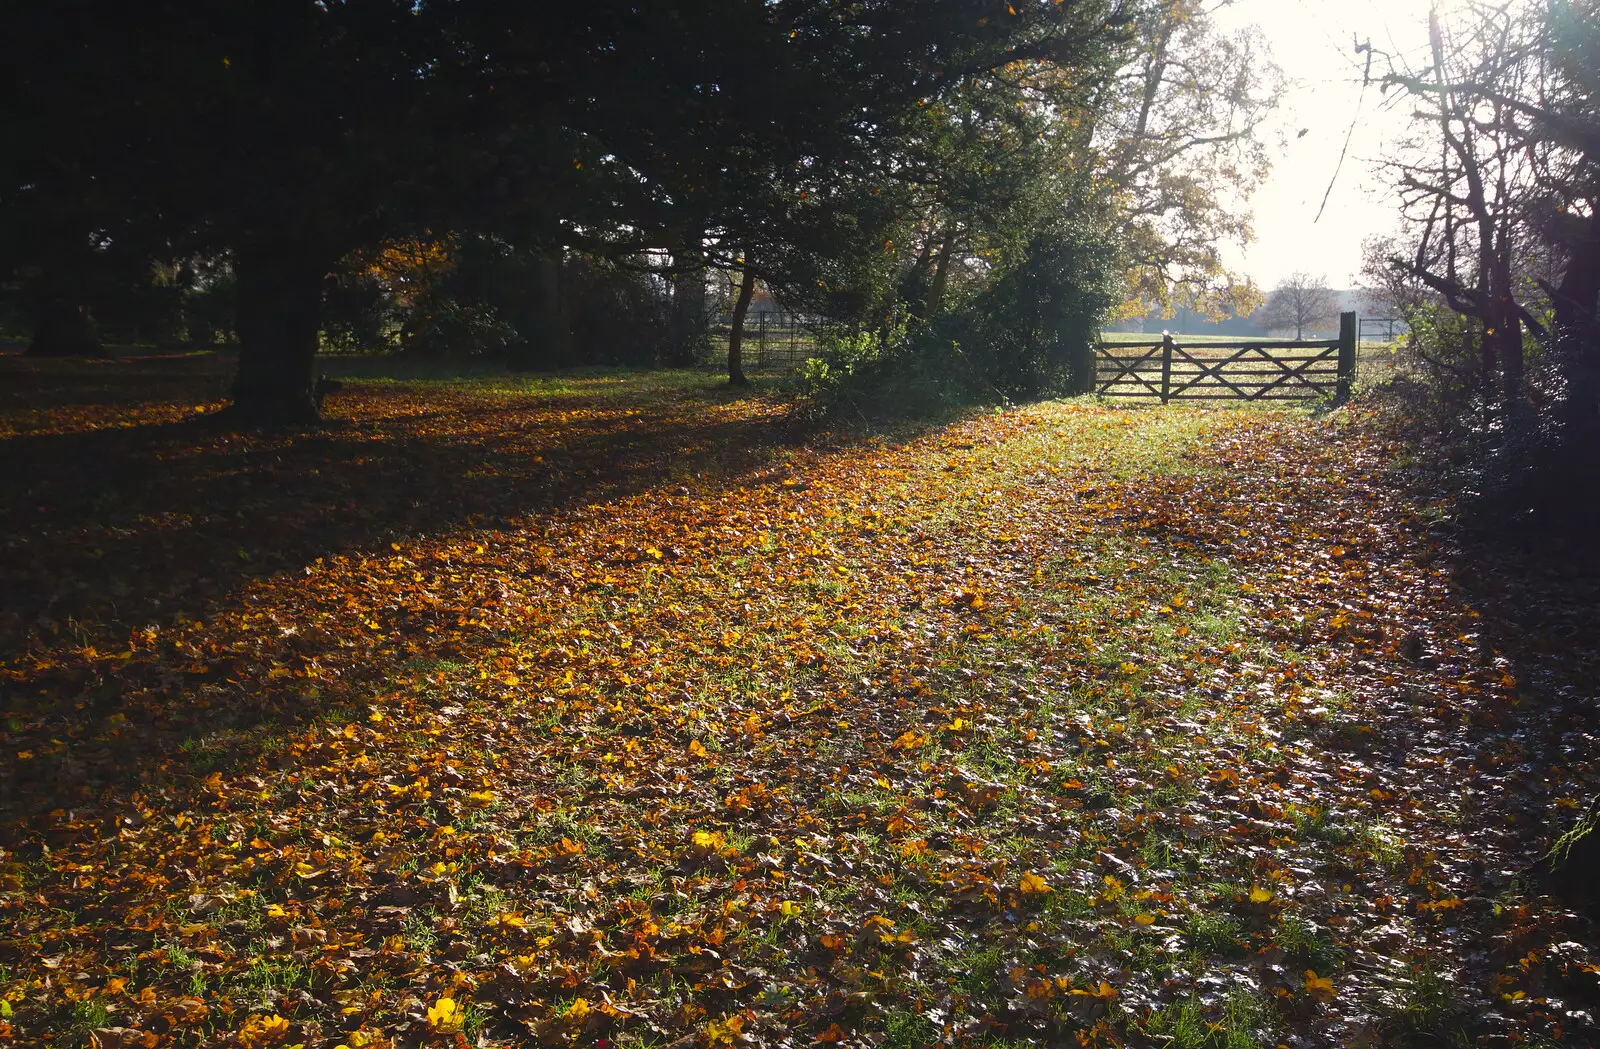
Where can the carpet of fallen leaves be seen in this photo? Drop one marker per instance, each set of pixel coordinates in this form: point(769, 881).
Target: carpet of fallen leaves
point(613, 711)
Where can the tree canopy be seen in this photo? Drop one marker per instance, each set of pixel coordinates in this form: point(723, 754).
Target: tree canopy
point(863, 160)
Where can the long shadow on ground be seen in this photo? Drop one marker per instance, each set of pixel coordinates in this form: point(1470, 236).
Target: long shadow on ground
point(105, 531)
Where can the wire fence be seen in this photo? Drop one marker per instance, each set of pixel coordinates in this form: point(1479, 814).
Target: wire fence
point(775, 342)
point(1380, 330)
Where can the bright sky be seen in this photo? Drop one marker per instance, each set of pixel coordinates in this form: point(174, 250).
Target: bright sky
point(1311, 40)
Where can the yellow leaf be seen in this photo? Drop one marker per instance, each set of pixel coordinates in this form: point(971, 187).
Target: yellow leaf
point(263, 1030)
point(724, 1031)
point(790, 908)
point(445, 1016)
point(709, 840)
point(482, 797)
point(1319, 986)
point(698, 749)
point(578, 1011)
point(1033, 885)
point(1441, 905)
point(1145, 919)
point(1260, 895)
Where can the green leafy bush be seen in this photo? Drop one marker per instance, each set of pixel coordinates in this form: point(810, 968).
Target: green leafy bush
point(1030, 333)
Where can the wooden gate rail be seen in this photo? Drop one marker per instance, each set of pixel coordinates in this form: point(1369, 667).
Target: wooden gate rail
point(1247, 369)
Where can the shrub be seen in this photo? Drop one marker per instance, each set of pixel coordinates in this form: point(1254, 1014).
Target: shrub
point(1030, 333)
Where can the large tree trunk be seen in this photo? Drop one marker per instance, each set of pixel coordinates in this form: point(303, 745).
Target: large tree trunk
point(547, 341)
point(689, 322)
point(1511, 362)
point(278, 320)
point(1576, 327)
point(747, 288)
point(62, 328)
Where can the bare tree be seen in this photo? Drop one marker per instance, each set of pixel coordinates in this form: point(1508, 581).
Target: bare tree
point(1502, 193)
point(1301, 301)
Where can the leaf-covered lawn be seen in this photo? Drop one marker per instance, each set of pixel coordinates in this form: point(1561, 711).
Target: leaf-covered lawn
point(619, 711)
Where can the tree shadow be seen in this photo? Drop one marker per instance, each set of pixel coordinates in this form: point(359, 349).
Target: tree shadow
point(108, 530)
point(1526, 561)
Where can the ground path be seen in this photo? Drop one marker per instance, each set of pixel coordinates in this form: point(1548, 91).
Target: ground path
point(1060, 725)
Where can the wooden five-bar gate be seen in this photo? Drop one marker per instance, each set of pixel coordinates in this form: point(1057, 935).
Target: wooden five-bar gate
point(1244, 369)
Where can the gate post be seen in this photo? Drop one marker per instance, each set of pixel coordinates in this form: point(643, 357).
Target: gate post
point(1166, 366)
point(1347, 356)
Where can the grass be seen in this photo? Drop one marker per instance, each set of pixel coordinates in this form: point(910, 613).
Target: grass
point(1236, 1024)
point(1024, 718)
point(1425, 1009)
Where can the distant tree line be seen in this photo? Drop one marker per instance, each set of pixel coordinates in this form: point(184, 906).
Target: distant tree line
point(967, 181)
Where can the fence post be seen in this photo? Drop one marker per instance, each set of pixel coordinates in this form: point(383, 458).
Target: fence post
point(1166, 366)
point(1347, 356)
point(761, 359)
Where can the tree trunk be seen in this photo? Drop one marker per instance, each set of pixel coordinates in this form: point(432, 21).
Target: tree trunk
point(1576, 327)
point(1155, 71)
point(941, 273)
point(741, 306)
point(1511, 366)
point(279, 314)
point(547, 341)
point(62, 328)
point(916, 291)
point(689, 327)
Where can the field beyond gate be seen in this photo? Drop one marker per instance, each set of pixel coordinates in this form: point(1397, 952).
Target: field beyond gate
point(1244, 369)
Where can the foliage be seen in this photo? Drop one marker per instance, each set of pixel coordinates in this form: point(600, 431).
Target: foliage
point(358, 311)
point(1175, 145)
point(620, 708)
point(1034, 331)
point(294, 136)
point(897, 373)
point(618, 314)
point(1030, 333)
